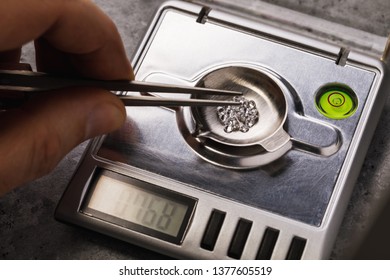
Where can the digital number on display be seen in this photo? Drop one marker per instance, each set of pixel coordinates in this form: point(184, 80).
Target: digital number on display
point(140, 206)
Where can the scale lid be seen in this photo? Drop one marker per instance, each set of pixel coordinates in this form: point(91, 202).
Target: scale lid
point(360, 35)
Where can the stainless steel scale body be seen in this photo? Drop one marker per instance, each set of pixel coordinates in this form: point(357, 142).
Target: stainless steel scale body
point(289, 205)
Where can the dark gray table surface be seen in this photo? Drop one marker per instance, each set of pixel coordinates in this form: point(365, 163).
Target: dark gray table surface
point(29, 231)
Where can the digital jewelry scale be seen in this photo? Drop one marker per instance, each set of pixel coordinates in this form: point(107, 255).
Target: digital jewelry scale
point(176, 181)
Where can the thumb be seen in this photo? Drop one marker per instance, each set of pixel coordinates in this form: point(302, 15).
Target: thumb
point(34, 138)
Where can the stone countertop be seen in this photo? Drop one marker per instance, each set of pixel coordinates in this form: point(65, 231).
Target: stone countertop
point(29, 231)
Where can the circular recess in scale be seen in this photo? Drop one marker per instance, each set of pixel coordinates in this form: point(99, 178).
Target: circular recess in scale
point(336, 102)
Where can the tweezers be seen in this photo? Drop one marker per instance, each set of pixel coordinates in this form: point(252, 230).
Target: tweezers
point(14, 81)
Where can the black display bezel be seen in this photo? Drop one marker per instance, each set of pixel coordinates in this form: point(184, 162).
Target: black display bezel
point(145, 186)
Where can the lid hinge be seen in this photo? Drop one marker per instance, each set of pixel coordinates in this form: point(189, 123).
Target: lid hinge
point(342, 56)
point(203, 14)
point(386, 52)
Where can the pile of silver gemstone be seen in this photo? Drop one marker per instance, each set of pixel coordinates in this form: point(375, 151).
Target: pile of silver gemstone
point(238, 117)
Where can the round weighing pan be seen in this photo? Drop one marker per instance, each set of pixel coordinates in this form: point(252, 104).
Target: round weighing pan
point(257, 85)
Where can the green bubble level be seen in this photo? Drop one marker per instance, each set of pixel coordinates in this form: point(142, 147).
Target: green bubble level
point(336, 102)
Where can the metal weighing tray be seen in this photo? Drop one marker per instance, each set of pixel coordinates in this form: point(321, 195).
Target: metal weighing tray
point(281, 198)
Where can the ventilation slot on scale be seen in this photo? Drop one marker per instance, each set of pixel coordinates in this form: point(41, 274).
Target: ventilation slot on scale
point(213, 228)
point(239, 239)
point(297, 247)
point(267, 244)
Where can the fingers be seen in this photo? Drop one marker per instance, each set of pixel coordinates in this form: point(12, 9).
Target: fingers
point(77, 30)
point(95, 44)
point(72, 36)
point(10, 57)
point(35, 137)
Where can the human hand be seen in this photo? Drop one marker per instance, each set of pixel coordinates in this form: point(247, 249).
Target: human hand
point(70, 37)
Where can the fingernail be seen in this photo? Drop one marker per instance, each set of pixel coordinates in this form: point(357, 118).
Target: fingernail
point(104, 118)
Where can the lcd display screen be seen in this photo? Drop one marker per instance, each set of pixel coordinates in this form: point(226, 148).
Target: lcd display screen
point(138, 205)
